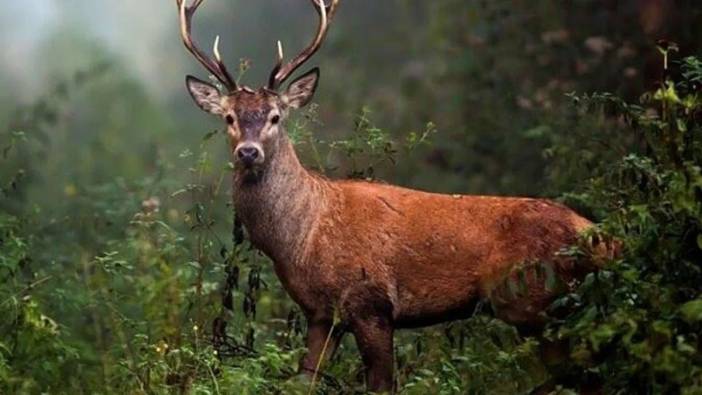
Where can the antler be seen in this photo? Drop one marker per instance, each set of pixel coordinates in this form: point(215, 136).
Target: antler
point(216, 67)
point(282, 72)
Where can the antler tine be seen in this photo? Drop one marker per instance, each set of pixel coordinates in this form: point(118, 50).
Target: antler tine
point(329, 9)
point(282, 72)
point(278, 64)
point(215, 67)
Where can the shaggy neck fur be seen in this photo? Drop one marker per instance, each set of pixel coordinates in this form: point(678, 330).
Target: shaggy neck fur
point(280, 205)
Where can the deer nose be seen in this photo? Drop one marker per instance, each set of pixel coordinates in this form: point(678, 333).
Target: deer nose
point(248, 154)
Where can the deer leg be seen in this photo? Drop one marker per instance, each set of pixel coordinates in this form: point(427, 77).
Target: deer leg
point(368, 311)
point(318, 330)
point(374, 340)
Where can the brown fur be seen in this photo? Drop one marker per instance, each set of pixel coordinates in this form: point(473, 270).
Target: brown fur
point(387, 257)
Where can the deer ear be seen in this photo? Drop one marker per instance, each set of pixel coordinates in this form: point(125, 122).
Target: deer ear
point(207, 96)
point(301, 91)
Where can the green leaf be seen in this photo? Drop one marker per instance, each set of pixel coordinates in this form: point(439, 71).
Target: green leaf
point(209, 135)
point(667, 94)
point(602, 334)
point(681, 125)
point(692, 311)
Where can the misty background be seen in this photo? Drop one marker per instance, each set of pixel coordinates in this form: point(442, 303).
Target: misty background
point(45, 38)
point(487, 74)
point(367, 60)
point(488, 79)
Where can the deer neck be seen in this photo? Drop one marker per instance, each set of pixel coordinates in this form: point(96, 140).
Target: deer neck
point(280, 205)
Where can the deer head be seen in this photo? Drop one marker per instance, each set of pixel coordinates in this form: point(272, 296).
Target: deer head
point(254, 117)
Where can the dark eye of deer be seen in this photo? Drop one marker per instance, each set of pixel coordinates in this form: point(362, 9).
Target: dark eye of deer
point(275, 119)
point(229, 119)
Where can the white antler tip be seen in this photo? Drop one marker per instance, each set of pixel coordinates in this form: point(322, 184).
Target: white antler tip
point(215, 49)
point(280, 50)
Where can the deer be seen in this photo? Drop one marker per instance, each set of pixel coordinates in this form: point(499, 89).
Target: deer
point(375, 256)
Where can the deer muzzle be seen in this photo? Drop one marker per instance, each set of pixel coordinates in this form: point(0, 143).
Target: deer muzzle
point(249, 154)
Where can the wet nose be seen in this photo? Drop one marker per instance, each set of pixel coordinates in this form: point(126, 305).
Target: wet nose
point(248, 154)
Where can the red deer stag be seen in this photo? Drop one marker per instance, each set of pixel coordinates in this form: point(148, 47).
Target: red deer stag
point(383, 256)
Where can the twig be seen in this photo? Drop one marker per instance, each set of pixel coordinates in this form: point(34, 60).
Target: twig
point(27, 288)
point(321, 358)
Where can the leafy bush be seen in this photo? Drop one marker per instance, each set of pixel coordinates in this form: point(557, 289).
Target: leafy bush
point(637, 324)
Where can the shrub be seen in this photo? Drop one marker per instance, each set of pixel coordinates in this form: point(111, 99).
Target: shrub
point(637, 324)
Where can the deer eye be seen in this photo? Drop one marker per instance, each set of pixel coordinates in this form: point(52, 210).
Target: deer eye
point(229, 119)
point(275, 119)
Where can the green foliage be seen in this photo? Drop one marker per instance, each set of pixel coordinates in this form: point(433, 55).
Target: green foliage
point(367, 149)
point(636, 327)
point(370, 147)
point(480, 355)
point(33, 352)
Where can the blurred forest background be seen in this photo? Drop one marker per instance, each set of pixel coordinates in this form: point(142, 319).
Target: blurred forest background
point(116, 259)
